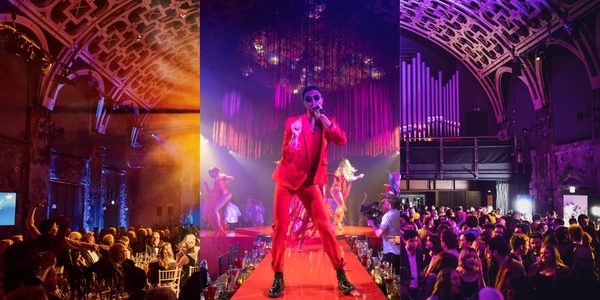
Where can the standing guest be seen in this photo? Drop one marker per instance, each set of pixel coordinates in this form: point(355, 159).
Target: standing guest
point(471, 273)
point(442, 261)
point(433, 247)
point(447, 286)
point(565, 246)
point(390, 226)
point(466, 241)
point(450, 242)
point(412, 263)
point(232, 215)
point(546, 274)
point(500, 230)
point(427, 229)
point(248, 212)
point(536, 241)
point(300, 171)
point(473, 226)
point(519, 245)
point(581, 280)
point(498, 251)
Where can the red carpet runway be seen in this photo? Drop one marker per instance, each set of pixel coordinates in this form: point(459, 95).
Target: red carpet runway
point(308, 275)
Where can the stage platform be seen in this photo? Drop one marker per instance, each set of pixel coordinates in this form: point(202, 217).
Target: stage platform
point(308, 275)
point(212, 246)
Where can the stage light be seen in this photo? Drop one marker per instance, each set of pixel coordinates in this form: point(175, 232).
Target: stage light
point(572, 189)
point(489, 191)
point(595, 210)
point(524, 205)
point(112, 202)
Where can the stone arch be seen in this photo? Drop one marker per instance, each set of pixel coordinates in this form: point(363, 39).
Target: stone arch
point(88, 73)
point(37, 31)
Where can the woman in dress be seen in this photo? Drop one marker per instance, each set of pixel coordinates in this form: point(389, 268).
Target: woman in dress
point(186, 257)
point(470, 271)
point(547, 272)
point(219, 195)
point(342, 183)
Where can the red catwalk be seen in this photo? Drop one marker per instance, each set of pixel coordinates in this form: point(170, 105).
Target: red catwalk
point(308, 275)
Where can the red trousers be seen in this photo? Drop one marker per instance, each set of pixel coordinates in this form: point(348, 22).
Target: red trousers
point(312, 199)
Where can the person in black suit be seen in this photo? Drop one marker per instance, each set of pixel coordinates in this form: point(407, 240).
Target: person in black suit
point(113, 267)
point(135, 282)
point(412, 263)
point(155, 244)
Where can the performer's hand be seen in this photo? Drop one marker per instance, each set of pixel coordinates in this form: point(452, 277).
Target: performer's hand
point(296, 128)
point(361, 175)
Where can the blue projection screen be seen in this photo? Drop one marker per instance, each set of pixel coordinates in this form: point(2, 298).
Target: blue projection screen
point(8, 205)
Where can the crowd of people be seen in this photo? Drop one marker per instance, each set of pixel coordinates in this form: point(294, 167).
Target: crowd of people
point(53, 261)
point(478, 254)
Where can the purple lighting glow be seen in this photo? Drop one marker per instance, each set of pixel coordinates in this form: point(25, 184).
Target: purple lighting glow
point(429, 107)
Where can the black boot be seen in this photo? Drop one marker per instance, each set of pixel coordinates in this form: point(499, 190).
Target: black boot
point(343, 284)
point(277, 288)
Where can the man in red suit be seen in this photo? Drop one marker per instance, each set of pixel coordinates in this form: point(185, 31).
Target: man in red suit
point(301, 171)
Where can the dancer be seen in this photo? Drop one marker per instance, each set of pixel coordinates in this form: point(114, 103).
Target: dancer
point(219, 196)
point(302, 168)
point(342, 183)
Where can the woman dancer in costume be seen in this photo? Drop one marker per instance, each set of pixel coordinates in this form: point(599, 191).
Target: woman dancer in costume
point(342, 183)
point(220, 195)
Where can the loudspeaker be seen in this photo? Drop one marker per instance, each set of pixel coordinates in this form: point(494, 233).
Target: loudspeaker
point(169, 210)
point(159, 211)
point(476, 123)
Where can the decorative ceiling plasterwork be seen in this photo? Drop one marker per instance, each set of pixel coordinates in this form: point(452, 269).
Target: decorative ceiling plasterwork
point(482, 33)
point(145, 48)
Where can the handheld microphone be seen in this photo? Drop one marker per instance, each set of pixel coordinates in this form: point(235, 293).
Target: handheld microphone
point(320, 109)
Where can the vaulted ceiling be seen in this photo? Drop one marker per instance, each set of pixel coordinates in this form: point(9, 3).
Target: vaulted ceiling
point(147, 50)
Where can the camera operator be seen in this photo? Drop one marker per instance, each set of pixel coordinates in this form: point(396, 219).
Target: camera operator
point(390, 226)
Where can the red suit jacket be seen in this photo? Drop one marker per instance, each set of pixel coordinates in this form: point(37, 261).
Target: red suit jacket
point(294, 166)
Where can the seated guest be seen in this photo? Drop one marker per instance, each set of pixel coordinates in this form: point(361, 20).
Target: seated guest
point(155, 245)
point(161, 293)
point(90, 256)
point(27, 293)
point(135, 283)
point(139, 245)
point(186, 257)
point(164, 261)
point(192, 289)
point(110, 268)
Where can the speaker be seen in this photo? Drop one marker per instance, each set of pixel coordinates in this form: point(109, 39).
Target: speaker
point(476, 123)
point(169, 210)
point(159, 211)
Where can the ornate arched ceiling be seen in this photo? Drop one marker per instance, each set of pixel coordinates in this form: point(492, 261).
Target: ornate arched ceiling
point(482, 33)
point(147, 49)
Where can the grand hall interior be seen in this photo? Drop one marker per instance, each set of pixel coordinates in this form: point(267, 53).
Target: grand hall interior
point(299, 149)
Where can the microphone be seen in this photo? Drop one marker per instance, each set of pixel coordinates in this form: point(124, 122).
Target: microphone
point(319, 108)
